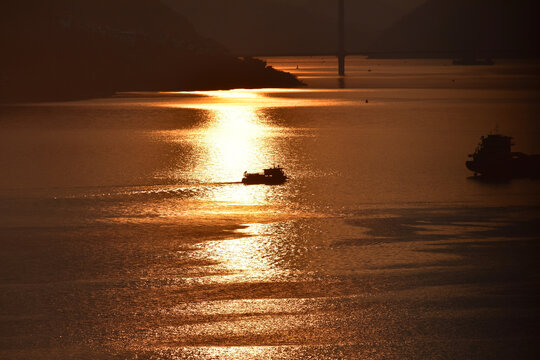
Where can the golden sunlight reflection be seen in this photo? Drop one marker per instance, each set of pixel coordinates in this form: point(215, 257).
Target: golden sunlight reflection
point(235, 140)
point(232, 352)
point(235, 137)
point(260, 254)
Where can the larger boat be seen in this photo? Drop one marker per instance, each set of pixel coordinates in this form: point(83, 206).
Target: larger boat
point(494, 158)
point(270, 176)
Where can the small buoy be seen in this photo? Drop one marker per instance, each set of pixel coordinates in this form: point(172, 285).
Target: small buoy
point(367, 101)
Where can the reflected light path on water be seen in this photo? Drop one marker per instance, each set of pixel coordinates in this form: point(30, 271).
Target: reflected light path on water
point(234, 137)
point(263, 252)
point(236, 134)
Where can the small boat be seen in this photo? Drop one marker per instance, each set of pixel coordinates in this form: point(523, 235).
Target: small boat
point(270, 176)
point(494, 158)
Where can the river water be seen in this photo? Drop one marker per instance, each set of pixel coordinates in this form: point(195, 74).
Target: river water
point(125, 232)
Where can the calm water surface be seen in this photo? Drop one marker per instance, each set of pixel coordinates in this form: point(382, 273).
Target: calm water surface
point(125, 232)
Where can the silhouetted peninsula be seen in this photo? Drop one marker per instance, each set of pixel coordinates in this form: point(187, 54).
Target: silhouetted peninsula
point(62, 49)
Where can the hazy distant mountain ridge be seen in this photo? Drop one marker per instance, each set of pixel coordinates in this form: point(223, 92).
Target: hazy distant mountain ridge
point(133, 19)
point(278, 27)
point(443, 28)
point(61, 49)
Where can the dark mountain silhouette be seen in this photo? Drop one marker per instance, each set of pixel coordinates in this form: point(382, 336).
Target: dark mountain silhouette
point(454, 28)
point(63, 49)
point(283, 27)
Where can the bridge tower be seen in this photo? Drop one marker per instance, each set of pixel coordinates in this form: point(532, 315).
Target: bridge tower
point(341, 37)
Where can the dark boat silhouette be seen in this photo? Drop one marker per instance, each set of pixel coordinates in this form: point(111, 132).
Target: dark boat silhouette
point(494, 158)
point(270, 176)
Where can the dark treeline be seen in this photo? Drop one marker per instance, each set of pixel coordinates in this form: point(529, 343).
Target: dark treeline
point(62, 49)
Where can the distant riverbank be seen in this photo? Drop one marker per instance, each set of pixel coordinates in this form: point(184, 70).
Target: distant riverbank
point(192, 73)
